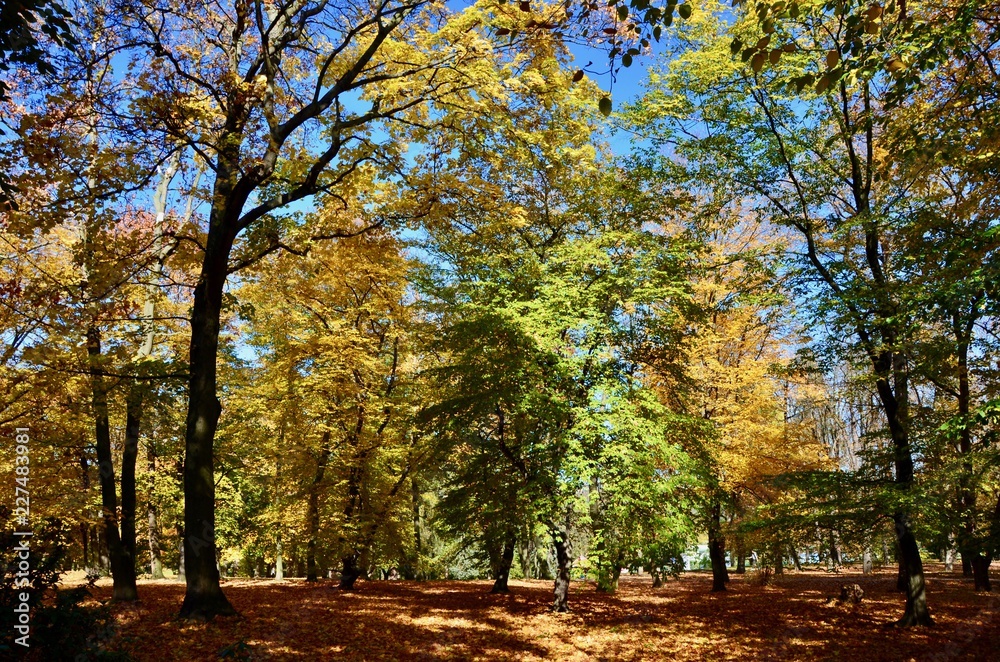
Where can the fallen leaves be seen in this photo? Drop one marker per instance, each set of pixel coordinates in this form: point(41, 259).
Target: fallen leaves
point(682, 621)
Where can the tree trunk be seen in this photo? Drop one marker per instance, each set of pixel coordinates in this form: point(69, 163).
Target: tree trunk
point(741, 562)
point(779, 565)
point(153, 527)
point(204, 598)
point(414, 570)
point(279, 561)
point(349, 572)
point(966, 564)
point(916, 612)
point(981, 572)
point(866, 561)
point(130, 454)
point(122, 567)
point(503, 567)
point(313, 514)
point(902, 578)
point(181, 570)
point(85, 542)
point(717, 550)
point(561, 590)
point(795, 558)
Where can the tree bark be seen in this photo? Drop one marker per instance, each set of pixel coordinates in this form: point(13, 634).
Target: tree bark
point(503, 568)
point(561, 591)
point(916, 612)
point(313, 515)
point(981, 572)
point(122, 566)
point(130, 454)
point(204, 598)
point(181, 570)
point(153, 527)
point(717, 549)
point(349, 572)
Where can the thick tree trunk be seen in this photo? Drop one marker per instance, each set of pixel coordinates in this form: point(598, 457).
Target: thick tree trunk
point(916, 612)
point(741, 562)
point(349, 572)
point(981, 572)
point(966, 564)
point(122, 567)
point(503, 567)
point(902, 578)
point(313, 514)
point(717, 550)
point(779, 565)
point(561, 590)
point(204, 598)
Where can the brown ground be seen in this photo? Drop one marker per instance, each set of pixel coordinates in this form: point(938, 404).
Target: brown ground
point(453, 620)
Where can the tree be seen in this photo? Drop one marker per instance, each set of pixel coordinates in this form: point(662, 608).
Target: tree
point(246, 105)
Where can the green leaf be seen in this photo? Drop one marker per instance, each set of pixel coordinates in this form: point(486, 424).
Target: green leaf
point(626, 60)
point(735, 47)
point(604, 105)
point(684, 11)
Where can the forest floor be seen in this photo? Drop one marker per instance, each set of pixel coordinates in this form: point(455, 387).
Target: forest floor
point(453, 620)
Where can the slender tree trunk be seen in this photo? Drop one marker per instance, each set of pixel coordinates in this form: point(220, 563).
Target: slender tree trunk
point(503, 567)
point(717, 550)
point(834, 549)
point(866, 561)
point(130, 454)
point(779, 565)
point(153, 528)
point(561, 591)
point(741, 561)
point(122, 566)
point(966, 564)
point(313, 514)
point(279, 561)
point(417, 543)
point(85, 542)
point(181, 570)
point(795, 558)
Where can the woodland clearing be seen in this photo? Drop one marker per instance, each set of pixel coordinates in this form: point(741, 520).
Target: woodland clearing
point(461, 620)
